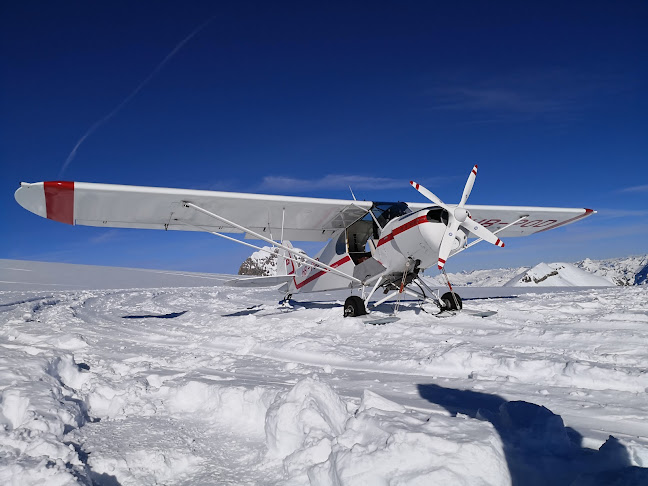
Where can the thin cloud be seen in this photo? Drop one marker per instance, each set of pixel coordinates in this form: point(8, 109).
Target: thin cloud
point(607, 213)
point(643, 188)
point(557, 94)
point(106, 236)
point(133, 93)
point(331, 182)
point(503, 99)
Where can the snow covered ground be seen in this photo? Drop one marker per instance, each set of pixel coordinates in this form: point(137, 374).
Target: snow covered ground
point(189, 385)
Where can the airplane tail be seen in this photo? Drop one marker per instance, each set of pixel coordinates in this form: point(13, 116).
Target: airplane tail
point(286, 266)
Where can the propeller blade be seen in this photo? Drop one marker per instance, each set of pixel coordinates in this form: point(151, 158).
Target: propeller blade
point(446, 243)
point(481, 232)
point(429, 194)
point(469, 186)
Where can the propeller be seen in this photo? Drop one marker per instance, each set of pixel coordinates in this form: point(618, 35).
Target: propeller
point(458, 217)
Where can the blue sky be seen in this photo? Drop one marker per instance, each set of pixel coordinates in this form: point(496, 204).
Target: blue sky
point(549, 98)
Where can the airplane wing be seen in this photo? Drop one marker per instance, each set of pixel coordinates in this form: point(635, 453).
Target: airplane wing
point(304, 218)
point(533, 219)
point(119, 206)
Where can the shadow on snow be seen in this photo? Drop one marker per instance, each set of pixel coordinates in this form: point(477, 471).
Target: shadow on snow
point(171, 315)
point(539, 449)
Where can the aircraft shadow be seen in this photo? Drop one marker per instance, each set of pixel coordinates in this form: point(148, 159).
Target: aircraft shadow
point(171, 315)
point(539, 449)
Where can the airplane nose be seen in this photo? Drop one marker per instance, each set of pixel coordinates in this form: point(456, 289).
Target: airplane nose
point(32, 198)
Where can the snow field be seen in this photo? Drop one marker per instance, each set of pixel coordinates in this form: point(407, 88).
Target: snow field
point(94, 387)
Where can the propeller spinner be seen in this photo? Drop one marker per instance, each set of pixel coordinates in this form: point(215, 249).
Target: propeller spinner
point(458, 217)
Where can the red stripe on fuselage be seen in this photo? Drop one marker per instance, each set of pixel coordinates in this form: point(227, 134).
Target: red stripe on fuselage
point(400, 229)
point(321, 272)
point(59, 201)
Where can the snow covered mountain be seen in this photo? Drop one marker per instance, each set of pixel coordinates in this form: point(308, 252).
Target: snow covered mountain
point(595, 273)
point(557, 275)
point(621, 271)
point(262, 263)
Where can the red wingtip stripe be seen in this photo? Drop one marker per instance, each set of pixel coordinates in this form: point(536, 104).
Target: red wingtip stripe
point(59, 201)
point(576, 218)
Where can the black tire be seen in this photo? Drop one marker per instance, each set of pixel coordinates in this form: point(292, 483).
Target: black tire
point(354, 307)
point(450, 303)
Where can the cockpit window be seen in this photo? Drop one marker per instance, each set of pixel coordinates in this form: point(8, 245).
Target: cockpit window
point(341, 244)
point(386, 211)
point(437, 215)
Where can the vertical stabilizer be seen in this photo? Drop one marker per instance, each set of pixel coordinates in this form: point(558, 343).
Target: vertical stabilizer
point(286, 266)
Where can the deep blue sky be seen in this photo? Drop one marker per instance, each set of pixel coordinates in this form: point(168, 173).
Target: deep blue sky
point(550, 99)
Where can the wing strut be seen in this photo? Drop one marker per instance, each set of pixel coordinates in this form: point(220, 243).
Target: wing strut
point(316, 263)
point(479, 240)
point(215, 233)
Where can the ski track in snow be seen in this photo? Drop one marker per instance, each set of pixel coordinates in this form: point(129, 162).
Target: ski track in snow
point(305, 396)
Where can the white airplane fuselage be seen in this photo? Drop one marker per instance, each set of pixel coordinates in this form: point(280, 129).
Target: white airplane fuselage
point(413, 237)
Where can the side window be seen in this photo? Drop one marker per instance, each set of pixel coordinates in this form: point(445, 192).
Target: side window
point(340, 245)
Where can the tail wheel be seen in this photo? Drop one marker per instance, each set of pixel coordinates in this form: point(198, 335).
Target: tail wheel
point(449, 300)
point(354, 306)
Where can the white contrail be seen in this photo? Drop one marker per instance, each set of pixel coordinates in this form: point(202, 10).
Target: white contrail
point(146, 80)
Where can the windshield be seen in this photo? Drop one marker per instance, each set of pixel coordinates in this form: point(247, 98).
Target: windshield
point(386, 211)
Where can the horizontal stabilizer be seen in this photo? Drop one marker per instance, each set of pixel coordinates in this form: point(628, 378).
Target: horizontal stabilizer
point(270, 281)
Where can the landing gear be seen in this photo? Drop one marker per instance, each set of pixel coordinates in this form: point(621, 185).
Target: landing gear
point(451, 301)
point(285, 302)
point(354, 307)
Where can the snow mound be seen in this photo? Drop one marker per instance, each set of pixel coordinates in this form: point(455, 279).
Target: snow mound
point(305, 420)
point(234, 405)
point(37, 408)
point(380, 443)
point(557, 275)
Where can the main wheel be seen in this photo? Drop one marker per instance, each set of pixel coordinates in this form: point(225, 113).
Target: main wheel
point(450, 303)
point(354, 306)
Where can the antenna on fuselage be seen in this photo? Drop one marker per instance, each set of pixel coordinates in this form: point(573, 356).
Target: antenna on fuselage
point(353, 195)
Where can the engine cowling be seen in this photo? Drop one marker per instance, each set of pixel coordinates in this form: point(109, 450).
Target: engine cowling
point(417, 236)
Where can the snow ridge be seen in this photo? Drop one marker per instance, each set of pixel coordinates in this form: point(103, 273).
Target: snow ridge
point(593, 273)
point(557, 275)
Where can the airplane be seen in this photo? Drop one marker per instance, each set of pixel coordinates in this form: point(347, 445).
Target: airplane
point(371, 245)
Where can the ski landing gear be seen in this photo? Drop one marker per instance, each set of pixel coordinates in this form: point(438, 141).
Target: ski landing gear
point(354, 306)
point(450, 300)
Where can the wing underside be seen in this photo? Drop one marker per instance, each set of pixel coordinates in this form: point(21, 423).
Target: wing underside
point(117, 206)
point(301, 218)
point(526, 220)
